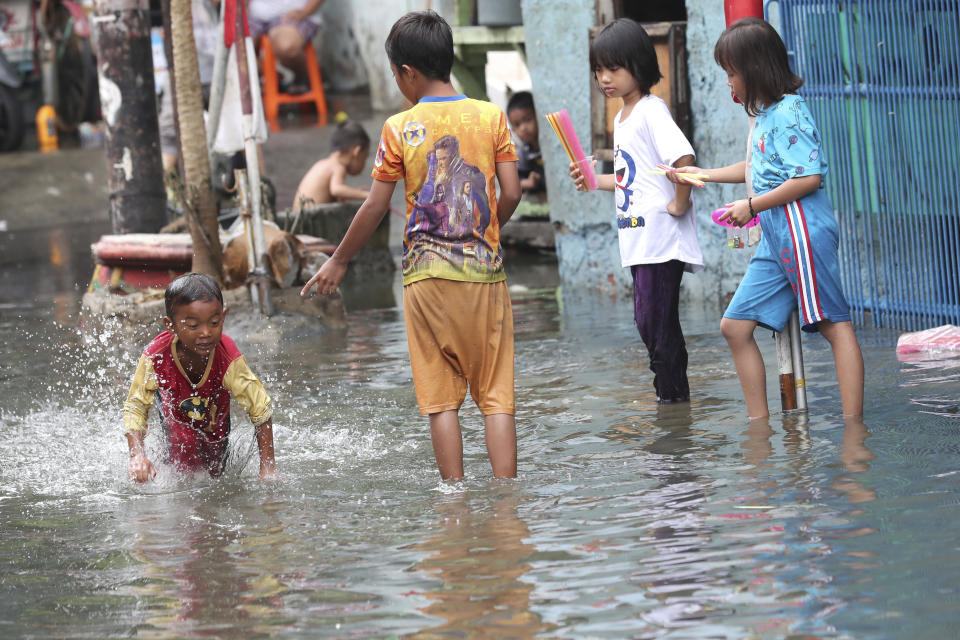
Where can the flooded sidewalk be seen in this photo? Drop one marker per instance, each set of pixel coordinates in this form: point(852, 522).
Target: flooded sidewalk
point(628, 519)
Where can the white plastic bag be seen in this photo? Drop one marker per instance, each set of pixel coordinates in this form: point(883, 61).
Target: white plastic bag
point(230, 131)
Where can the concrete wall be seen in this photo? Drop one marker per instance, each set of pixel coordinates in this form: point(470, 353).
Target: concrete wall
point(355, 32)
point(558, 57)
point(557, 52)
point(342, 64)
point(720, 129)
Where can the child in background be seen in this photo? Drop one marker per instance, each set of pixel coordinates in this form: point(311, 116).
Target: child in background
point(655, 220)
point(190, 371)
point(523, 121)
point(451, 151)
point(796, 262)
point(323, 183)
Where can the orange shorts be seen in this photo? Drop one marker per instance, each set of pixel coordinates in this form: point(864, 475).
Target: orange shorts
point(460, 333)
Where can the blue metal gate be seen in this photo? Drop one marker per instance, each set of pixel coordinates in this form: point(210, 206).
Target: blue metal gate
point(882, 78)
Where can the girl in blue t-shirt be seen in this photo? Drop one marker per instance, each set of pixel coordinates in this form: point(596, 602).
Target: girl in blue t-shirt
point(796, 264)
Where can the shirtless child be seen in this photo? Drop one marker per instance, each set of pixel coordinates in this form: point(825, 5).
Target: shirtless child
point(324, 183)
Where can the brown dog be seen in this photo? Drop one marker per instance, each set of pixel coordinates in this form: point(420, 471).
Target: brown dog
point(284, 253)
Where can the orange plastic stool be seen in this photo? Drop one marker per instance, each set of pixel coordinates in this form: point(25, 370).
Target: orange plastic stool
point(273, 98)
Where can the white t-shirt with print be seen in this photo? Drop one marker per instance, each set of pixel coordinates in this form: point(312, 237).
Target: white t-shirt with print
point(647, 233)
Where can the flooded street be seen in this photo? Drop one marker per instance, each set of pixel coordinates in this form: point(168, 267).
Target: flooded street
point(628, 520)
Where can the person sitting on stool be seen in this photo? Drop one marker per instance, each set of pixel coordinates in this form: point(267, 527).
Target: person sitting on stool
point(290, 24)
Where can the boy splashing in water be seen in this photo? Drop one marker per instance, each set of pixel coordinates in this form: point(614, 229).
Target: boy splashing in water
point(190, 371)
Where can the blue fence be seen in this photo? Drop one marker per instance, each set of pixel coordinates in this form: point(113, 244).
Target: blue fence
point(882, 78)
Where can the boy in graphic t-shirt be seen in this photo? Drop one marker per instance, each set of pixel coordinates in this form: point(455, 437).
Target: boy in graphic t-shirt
point(451, 151)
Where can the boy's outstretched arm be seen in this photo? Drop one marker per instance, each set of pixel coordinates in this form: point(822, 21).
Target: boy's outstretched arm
point(135, 409)
point(364, 223)
point(510, 191)
point(264, 434)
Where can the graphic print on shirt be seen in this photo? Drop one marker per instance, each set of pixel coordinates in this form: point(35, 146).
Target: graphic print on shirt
point(452, 203)
point(773, 159)
point(625, 171)
point(414, 134)
point(447, 150)
point(200, 410)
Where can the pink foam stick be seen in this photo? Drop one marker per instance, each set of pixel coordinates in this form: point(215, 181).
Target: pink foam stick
point(570, 134)
point(728, 223)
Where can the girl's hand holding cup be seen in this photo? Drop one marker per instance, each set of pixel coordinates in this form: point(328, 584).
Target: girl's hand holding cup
point(576, 172)
point(738, 213)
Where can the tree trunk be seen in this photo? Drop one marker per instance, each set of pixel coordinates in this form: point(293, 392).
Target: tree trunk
point(199, 207)
point(134, 170)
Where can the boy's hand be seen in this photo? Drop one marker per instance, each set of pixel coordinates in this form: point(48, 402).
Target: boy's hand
point(327, 278)
point(140, 469)
point(295, 16)
point(679, 206)
point(268, 471)
point(264, 435)
point(531, 182)
point(737, 212)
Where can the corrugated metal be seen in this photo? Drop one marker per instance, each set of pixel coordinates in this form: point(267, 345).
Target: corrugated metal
point(882, 78)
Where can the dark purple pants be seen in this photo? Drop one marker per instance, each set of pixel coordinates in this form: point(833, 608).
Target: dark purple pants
point(656, 309)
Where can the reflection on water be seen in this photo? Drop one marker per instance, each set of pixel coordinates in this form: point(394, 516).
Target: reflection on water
point(58, 261)
point(479, 556)
point(199, 575)
point(628, 519)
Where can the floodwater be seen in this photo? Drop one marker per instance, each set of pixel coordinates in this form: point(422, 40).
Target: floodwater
point(628, 520)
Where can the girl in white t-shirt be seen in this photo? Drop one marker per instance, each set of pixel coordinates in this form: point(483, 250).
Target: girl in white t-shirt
point(655, 218)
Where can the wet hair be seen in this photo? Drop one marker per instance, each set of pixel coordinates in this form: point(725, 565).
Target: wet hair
point(191, 287)
point(624, 43)
point(347, 135)
point(753, 49)
point(520, 100)
point(422, 40)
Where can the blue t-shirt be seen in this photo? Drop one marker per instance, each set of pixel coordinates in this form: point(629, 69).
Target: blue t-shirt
point(786, 144)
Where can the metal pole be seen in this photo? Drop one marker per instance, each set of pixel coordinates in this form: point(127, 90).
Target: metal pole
point(253, 163)
point(241, 179)
point(796, 349)
point(793, 390)
point(128, 99)
point(788, 387)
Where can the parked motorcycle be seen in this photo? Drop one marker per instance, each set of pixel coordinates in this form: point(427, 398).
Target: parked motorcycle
point(45, 56)
point(11, 109)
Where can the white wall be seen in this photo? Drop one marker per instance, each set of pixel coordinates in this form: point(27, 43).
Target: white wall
point(353, 37)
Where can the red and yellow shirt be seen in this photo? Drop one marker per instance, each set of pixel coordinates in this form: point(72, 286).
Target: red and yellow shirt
point(195, 417)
